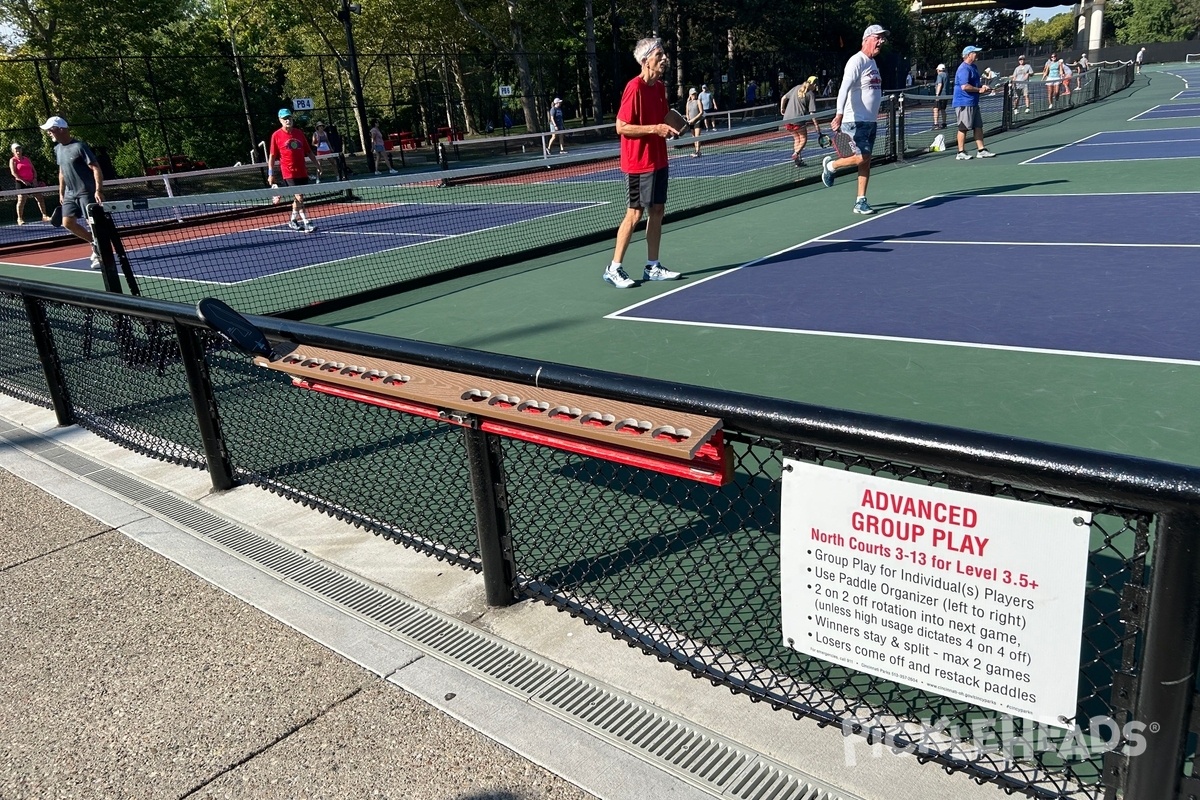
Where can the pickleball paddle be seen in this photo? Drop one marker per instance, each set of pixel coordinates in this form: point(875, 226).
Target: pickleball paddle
point(239, 330)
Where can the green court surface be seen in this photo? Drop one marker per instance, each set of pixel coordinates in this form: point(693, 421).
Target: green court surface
point(555, 309)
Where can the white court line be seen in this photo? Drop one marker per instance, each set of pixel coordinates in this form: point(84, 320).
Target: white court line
point(1165, 116)
point(900, 240)
point(914, 340)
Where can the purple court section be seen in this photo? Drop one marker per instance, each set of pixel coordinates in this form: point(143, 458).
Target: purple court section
point(1106, 219)
point(1131, 145)
point(1127, 300)
point(272, 248)
point(1173, 111)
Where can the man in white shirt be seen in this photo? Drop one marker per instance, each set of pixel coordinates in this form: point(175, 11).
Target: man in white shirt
point(857, 114)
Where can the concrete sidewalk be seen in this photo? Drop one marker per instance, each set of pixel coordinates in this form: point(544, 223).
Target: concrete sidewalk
point(149, 658)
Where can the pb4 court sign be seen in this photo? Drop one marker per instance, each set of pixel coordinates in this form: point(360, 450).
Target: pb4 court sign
point(971, 597)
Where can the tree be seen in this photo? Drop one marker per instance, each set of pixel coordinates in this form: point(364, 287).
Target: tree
point(1156, 21)
point(1058, 31)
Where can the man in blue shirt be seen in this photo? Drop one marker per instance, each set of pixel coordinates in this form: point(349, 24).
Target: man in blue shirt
point(968, 86)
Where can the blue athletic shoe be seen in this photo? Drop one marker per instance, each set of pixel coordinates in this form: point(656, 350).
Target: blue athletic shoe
point(826, 172)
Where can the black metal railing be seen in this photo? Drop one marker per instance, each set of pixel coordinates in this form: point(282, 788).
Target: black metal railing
point(688, 572)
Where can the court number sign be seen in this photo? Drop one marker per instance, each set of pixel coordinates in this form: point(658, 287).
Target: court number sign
point(506, 91)
point(302, 104)
point(972, 597)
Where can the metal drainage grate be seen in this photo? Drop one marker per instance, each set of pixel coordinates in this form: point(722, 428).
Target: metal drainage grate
point(672, 744)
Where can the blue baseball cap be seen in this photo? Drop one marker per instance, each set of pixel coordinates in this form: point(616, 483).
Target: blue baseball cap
point(284, 113)
point(971, 49)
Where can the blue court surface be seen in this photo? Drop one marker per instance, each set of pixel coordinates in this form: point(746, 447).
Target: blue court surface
point(1172, 111)
point(1132, 145)
point(1188, 94)
point(342, 232)
point(1105, 275)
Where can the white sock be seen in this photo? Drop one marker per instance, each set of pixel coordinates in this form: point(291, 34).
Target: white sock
point(613, 266)
point(302, 217)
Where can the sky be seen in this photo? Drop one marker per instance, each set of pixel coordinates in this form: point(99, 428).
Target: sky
point(1047, 13)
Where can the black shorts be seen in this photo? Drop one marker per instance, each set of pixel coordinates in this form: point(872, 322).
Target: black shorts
point(648, 189)
point(941, 104)
point(295, 181)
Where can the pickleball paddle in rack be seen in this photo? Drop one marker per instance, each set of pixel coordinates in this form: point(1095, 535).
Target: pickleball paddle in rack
point(674, 443)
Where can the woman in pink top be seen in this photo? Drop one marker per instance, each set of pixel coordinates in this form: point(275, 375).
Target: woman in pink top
point(25, 176)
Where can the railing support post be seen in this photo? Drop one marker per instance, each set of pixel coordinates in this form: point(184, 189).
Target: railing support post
point(1167, 678)
point(204, 401)
point(491, 516)
point(43, 339)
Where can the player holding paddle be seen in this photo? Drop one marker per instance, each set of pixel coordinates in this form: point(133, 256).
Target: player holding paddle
point(290, 147)
point(858, 114)
point(799, 109)
point(643, 132)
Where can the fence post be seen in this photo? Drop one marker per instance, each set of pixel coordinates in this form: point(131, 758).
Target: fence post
point(43, 338)
point(204, 401)
point(491, 516)
point(1167, 679)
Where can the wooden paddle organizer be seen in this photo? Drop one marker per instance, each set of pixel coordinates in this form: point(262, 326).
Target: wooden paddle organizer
point(673, 443)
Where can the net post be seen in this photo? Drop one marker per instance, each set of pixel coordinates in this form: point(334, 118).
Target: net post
point(1006, 111)
point(897, 125)
point(103, 234)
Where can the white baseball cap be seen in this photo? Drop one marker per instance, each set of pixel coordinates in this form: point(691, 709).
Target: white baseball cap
point(875, 30)
point(941, 67)
point(55, 122)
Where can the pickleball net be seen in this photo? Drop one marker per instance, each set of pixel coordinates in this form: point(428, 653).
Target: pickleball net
point(382, 235)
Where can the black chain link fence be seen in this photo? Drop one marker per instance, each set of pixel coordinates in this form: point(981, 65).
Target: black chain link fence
point(687, 572)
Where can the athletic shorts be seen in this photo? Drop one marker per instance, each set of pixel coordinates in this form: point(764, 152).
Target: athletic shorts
point(295, 180)
point(862, 136)
point(969, 118)
point(380, 148)
point(792, 127)
point(1021, 89)
point(75, 205)
point(941, 105)
point(648, 189)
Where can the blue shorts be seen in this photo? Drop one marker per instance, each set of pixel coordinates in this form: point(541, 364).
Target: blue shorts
point(75, 205)
point(862, 136)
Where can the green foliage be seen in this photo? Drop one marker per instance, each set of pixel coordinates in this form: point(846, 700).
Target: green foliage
point(157, 77)
point(1158, 21)
point(1058, 31)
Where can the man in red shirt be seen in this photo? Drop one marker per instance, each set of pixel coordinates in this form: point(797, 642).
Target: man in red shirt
point(290, 147)
point(644, 135)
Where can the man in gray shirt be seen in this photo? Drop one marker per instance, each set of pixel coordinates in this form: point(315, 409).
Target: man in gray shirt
point(80, 180)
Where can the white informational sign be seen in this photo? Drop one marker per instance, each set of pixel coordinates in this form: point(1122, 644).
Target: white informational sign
point(971, 597)
point(505, 91)
point(302, 104)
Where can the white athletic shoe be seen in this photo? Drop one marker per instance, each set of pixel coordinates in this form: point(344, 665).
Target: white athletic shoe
point(617, 277)
point(658, 273)
point(985, 153)
point(962, 156)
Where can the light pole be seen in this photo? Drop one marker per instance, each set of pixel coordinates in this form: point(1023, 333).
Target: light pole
point(360, 111)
